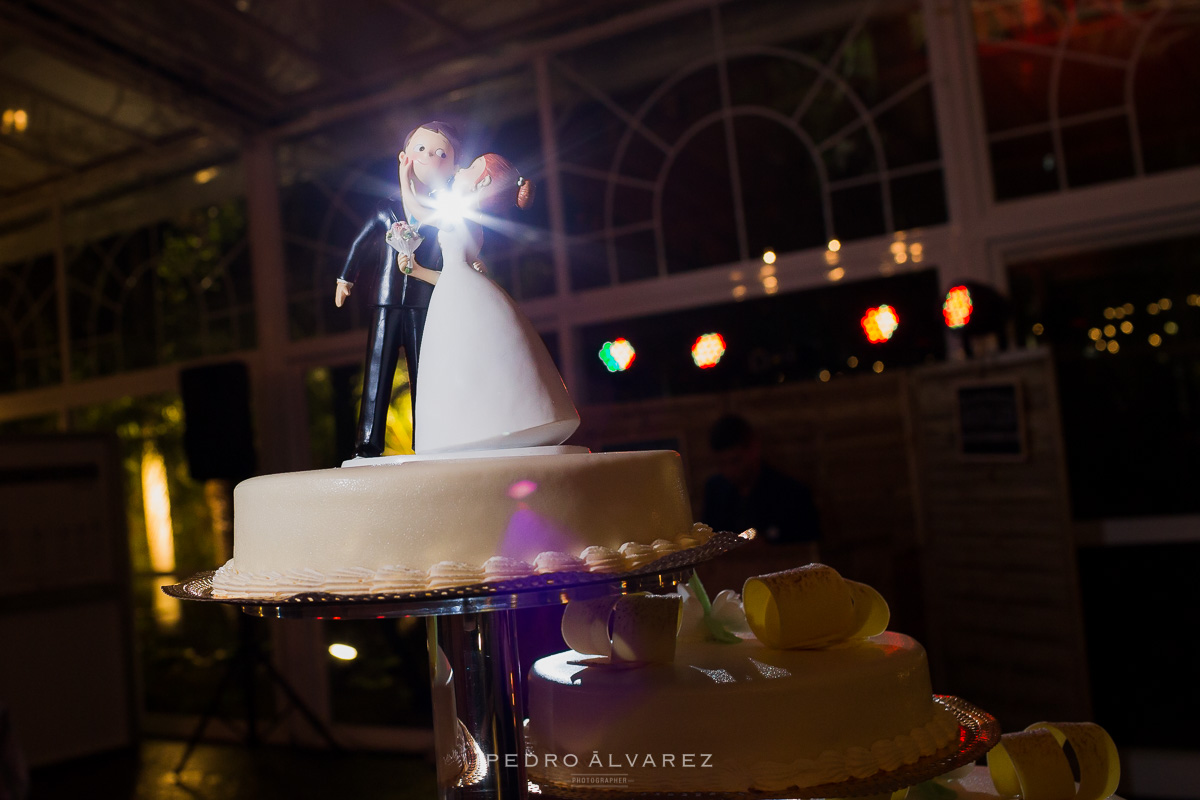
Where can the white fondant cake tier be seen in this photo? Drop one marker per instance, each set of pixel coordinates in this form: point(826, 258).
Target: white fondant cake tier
point(454, 522)
point(749, 716)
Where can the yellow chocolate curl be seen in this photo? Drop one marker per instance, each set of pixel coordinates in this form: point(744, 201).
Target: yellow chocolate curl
point(871, 612)
point(811, 606)
point(1095, 752)
point(1032, 766)
point(644, 626)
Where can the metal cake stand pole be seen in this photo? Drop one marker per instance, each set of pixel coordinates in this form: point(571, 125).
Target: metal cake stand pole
point(475, 670)
point(478, 710)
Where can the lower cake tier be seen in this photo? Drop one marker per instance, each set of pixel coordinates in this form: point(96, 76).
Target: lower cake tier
point(454, 522)
point(745, 716)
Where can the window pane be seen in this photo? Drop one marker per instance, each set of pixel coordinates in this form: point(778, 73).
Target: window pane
point(536, 275)
point(636, 256)
point(1015, 86)
point(858, 212)
point(781, 190)
point(769, 82)
point(1097, 152)
point(589, 265)
point(698, 222)
point(1109, 78)
point(918, 200)
point(321, 217)
point(739, 134)
point(1125, 327)
point(29, 339)
point(386, 682)
point(909, 131)
point(1024, 165)
point(1168, 83)
point(167, 292)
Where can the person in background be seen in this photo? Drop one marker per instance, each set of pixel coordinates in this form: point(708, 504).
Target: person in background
point(746, 492)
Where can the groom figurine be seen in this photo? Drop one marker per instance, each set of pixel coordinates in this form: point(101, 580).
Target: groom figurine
point(403, 289)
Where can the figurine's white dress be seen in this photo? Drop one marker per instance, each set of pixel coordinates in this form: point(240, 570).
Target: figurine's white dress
point(486, 380)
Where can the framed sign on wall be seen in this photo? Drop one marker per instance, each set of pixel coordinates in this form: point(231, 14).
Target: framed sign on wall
point(991, 421)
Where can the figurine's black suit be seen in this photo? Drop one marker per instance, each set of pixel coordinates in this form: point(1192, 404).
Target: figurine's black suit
point(401, 302)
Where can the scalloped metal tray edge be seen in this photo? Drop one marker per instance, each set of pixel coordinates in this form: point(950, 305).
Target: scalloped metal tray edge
point(199, 586)
point(978, 733)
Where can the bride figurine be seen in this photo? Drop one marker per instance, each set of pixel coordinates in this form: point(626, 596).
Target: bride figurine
point(487, 380)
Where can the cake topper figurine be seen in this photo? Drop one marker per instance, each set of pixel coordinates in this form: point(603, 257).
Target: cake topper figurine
point(406, 272)
point(488, 381)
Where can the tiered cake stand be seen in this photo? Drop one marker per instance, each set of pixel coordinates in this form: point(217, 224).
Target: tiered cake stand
point(478, 705)
point(478, 708)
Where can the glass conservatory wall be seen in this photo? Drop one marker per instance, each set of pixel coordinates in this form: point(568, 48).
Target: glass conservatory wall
point(153, 276)
point(710, 138)
point(29, 330)
point(1077, 94)
point(172, 291)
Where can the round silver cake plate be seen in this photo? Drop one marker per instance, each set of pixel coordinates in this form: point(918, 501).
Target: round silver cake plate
point(527, 592)
point(436, 603)
point(978, 733)
point(478, 705)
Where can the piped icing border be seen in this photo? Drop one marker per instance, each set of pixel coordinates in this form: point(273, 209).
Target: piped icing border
point(885, 755)
point(229, 582)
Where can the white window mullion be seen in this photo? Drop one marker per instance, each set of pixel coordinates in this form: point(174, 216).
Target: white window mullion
point(961, 133)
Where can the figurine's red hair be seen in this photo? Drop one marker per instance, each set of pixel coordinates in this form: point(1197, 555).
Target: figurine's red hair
point(506, 188)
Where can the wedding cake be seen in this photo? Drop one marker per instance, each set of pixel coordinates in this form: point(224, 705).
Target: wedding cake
point(802, 687)
point(432, 524)
point(491, 493)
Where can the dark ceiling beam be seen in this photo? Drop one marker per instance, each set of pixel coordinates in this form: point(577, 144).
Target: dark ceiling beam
point(77, 46)
point(44, 96)
point(532, 23)
point(445, 75)
point(172, 53)
point(13, 142)
point(510, 33)
point(267, 35)
point(122, 168)
point(417, 10)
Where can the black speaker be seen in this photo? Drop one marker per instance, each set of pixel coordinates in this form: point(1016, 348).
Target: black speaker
point(218, 437)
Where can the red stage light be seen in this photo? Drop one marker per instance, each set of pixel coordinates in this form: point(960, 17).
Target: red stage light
point(708, 349)
point(958, 307)
point(880, 323)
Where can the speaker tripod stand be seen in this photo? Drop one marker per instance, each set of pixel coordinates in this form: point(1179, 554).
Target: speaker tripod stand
point(247, 659)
